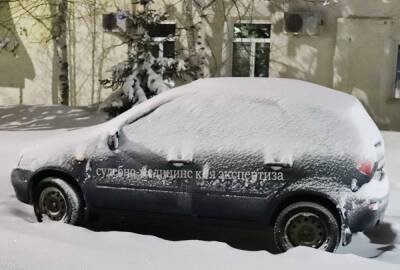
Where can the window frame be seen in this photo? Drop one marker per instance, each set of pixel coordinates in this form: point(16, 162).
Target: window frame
point(396, 86)
point(160, 40)
point(252, 41)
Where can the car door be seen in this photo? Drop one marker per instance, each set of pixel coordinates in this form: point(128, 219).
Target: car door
point(242, 165)
point(235, 189)
point(147, 172)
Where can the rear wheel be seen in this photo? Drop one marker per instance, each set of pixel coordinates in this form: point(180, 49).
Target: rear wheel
point(307, 224)
point(56, 200)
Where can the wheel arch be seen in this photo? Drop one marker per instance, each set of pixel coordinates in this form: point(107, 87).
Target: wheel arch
point(307, 196)
point(54, 172)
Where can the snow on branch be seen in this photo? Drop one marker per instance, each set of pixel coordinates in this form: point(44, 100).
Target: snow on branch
point(146, 72)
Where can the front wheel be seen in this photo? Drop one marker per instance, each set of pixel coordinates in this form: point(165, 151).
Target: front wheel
point(56, 200)
point(307, 224)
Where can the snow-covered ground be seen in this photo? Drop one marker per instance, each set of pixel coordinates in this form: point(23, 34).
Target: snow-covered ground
point(26, 244)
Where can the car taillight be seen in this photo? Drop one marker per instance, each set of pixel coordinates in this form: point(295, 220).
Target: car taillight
point(365, 167)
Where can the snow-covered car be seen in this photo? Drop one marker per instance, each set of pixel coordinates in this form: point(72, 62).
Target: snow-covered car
point(302, 158)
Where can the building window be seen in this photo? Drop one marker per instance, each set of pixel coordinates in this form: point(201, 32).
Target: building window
point(397, 86)
point(163, 36)
point(251, 48)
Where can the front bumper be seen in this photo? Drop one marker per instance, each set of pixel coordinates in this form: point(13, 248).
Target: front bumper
point(20, 181)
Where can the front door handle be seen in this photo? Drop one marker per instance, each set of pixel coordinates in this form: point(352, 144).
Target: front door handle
point(277, 166)
point(179, 162)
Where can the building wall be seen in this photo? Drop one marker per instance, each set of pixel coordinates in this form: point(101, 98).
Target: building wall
point(30, 76)
point(355, 52)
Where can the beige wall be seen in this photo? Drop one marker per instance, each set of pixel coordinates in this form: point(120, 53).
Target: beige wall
point(30, 76)
point(355, 52)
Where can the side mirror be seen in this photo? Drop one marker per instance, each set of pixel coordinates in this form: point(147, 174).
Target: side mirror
point(113, 141)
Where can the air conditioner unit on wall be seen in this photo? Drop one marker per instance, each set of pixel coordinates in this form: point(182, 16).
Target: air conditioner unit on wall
point(116, 22)
point(303, 23)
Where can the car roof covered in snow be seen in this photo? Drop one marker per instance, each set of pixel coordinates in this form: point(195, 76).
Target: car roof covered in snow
point(300, 111)
point(289, 90)
point(284, 92)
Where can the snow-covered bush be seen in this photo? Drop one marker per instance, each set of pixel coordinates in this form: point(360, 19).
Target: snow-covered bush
point(144, 75)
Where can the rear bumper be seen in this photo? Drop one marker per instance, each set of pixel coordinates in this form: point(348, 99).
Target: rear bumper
point(367, 216)
point(366, 207)
point(20, 182)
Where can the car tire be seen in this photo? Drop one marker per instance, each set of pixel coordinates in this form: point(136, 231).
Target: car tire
point(306, 224)
point(56, 200)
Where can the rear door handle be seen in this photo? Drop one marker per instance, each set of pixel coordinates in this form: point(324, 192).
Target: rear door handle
point(277, 165)
point(179, 162)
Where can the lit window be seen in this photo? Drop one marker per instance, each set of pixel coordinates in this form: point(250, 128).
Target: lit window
point(397, 87)
point(251, 48)
point(163, 36)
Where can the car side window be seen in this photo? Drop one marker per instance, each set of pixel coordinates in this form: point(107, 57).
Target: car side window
point(162, 131)
point(199, 122)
